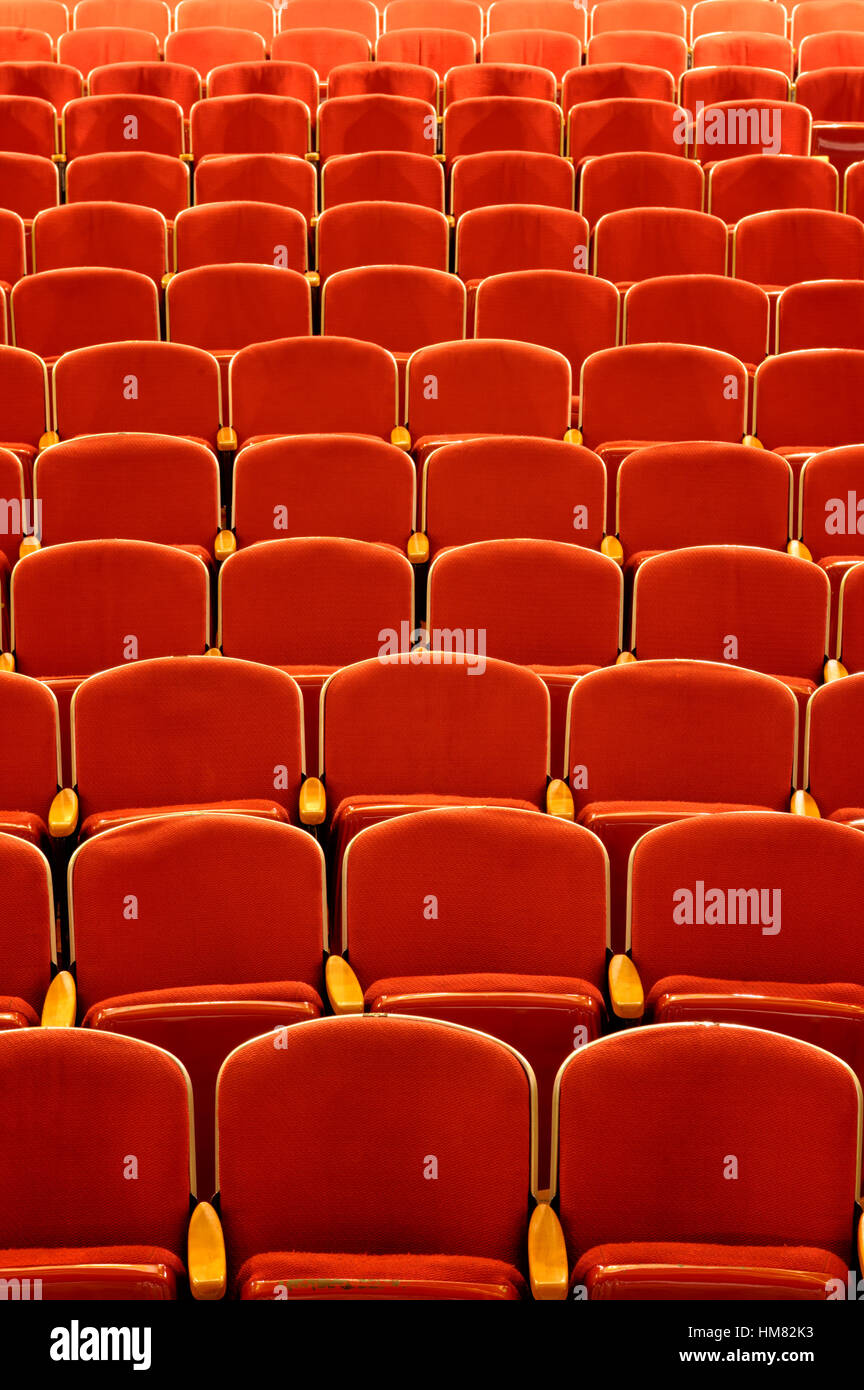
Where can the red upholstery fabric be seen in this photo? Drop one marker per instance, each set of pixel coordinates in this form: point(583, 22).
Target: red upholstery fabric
point(511, 176)
point(326, 485)
point(820, 313)
point(851, 639)
point(762, 182)
point(667, 51)
point(616, 80)
point(74, 1105)
point(335, 384)
point(265, 924)
point(119, 485)
point(75, 606)
point(422, 723)
point(479, 983)
point(637, 243)
point(226, 233)
point(400, 307)
point(187, 730)
point(223, 308)
point(59, 310)
point(485, 489)
point(88, 48)
point(816, 868)
point(668, 1107)
point(689, 602)
point(498, 879)
point(392, 79)
point(304, 1275)
point(30, 183)
point(383, 176)
point(732, 82)
point(254, 123)
point(742, 48)
point(167, 388)
point(258, 178)
point(774, 249)
point(752, 1256)
point(827, 479)
point(54, 1256)
point(537, 601)
point(498, 80)
point(23, 402)
point(285, 602)
point(29, 749)
point(387, 233)
point(833, 771)
point(681, 731)
point(95, 124)
point(639, 179)
point(610, 125)
point(322, 49)
point(209, 45)
point(26, 925)
point(704, 310)
point(375, 121)
point(377, 1093)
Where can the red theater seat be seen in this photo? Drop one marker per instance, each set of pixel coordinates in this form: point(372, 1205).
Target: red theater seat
point(30, 761)
point(831, 528)
point(775, 249)
point(541, 14)
point(542, 48)
point(261, 967)
point(254, 15)
point(297, 80)
point(210, 46)
point(494, 951)
point(383, 176)
point(86, 49)
point(313, 386)
point(175, 82)
point(253, 123)
point(123, 121)
point(505, 488)
point(28, 125)
point(59, 310)
point(320, 48)
point(278, 604)
point(489, 386)
point(657, 741)
point(27, 933)
point(355, 16)
point(160, 388)
point(24, 416)
point(499, 80)
point(676, 495)
point(611, 182)
point(612, 125)
point(389, 79)
point(375, 121)
point(833, 772)
point(438, 49)
point(324, 485)
point(381, 233)
point(379, 1094)
point(143, 740)
point(258, 178)
point(78, 1110)
point(703, 950)
point(225, 233)
point(730, 129)
point(116, 485)
point(149, 180)
point(56, 83)
point(478, 124)
point(704, 310)
point(511, 176)
point(548, 605)
point(766, 182)
point(640, 242)
point(821, 313)
point(90, 605)
point(150, 15)
point(775, 1233)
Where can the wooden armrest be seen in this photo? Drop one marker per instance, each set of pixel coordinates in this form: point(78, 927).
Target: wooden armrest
point(206, 1255)
point(213, 651)
point(611, 546)
point(7, 661)
point(61, 1002)
point(226, 440)
point(753, 441)
point(573, 437)
point(802, 804)
point(29, 545)
point(625, 988)
point(834, 671)
point(313, 156)
point(799, 550)
point(313, 279)
point(313, 802)
point(559, 800)
point(167, 278)
point(401, 438)
point(63, 816)
point(48, 438)
point(547, 1256)
point(224, 545)
point(343, 987)
point(625, 659)
point(418, 548)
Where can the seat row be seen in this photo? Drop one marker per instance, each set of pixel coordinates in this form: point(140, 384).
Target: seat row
point(733, 75)
point(510, 934)
point(729, 189)
point(658, 33)
point(371, 1111)
point(266, 124)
